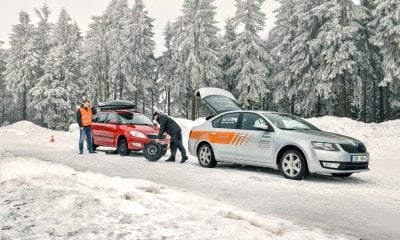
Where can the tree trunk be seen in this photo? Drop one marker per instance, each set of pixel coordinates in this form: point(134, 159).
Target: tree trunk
point(386, 97)
point(136, 99)
point(381, 105)
point(318, 107)
point(24, 107)
point(152, 102)
point(364, 101)
point(373, 102)
point(292, 100)
point(143, 102)
point(193, 106)
point(121, 86)
point(343, 98)
point(169, 101)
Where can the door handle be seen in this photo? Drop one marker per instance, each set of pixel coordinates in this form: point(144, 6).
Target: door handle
point(242, 134)
point(213, 133)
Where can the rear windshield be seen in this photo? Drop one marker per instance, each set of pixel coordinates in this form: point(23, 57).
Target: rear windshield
point(221, 103)
point(131, 118)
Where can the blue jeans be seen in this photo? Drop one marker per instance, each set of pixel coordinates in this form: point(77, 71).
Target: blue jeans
point(88, 132)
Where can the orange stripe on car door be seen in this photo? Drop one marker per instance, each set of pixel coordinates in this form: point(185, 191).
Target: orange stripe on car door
point(213, 136)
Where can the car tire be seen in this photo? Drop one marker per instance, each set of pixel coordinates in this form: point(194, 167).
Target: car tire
point(342, 174)
point(205, 156)
point(293, 165)
point(123, 149)
point(153, 151)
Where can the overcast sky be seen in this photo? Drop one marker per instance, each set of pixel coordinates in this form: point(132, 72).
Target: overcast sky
point(82, 10)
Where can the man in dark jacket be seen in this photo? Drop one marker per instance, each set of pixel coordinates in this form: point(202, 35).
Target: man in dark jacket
point(169, 126)
point(84, 119)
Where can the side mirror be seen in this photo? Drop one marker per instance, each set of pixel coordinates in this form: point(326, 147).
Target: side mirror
point(113, 121)
point(259, 126)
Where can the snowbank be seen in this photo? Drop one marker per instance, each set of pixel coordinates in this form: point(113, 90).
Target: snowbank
point(50, 201)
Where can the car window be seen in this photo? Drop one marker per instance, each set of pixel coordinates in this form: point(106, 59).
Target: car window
point(100, 118)
point(112, 117)
point(229, 120)
point(131, 118)
point(289, 122)
point(216, 122)
point(249, 120)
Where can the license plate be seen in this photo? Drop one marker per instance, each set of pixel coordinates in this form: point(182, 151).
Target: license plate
point(162, 142)
point(358, 158)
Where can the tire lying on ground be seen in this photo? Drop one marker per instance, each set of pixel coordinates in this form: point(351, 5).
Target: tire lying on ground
point(153, 151)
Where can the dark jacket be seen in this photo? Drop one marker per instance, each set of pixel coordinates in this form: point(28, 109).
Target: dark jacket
point(168, 125)
point(79, 115)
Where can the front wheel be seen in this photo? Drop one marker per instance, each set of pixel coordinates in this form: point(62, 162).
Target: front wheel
point(341, 174)
point(123, 149)
point(205, 155)
point(293, 165)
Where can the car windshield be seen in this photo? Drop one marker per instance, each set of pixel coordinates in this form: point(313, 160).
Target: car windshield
point(131, 118)
point(289, 122)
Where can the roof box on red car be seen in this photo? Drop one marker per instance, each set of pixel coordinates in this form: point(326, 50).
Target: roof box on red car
point(116, 105)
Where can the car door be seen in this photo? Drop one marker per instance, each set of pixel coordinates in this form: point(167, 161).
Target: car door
point(98, 128)
point(223, 135)
point(256, 140)
point(111, 129)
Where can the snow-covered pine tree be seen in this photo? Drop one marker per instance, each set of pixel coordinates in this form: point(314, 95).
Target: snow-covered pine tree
point(42, 38)
point(140, 62)
point(22, 62)
point(386, 23)
point(197, 47)
point(281, 39)
point(229, 81)
point(251, 60)
point(96, 55)
point(115, 19)
point(370, 70)
point(4, 94)
point(338, 54)
point(60, 90)
point(167, 66)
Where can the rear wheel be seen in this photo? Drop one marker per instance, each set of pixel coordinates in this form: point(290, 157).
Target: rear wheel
point(123, 149)
point(293, 165)
point(206, 157)
point(341, 174)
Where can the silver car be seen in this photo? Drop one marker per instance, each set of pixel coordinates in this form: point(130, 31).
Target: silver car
point(271, 139)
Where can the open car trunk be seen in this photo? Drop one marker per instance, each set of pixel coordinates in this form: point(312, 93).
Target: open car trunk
point(216, 101)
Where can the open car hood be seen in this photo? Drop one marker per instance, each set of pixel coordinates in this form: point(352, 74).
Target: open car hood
point(217, 100)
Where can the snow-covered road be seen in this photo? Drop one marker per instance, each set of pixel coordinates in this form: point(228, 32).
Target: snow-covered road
point(366, 205)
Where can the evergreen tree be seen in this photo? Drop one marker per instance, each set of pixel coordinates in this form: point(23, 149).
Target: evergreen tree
point(370, 70)
point(4, 94)
point(229, 82)
point(140, 49)
point(116, 18)
point(22, 62)
point(386, 24)
point(42, 38)
point(59, 91)
point(197, 49)
point(338, 54)
point(167, 65)
point(251, 61)
point(96, 53)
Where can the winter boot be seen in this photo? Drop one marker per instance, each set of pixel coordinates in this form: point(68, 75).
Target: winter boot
point(184, 159)
point(170, 159)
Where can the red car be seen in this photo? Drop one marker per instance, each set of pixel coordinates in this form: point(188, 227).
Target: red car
point(125, 130)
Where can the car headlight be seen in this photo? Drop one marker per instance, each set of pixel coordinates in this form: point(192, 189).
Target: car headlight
point(325, 146)
point(138, 134)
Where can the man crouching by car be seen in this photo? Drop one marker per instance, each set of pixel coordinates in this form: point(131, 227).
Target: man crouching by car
point(169, 126)
point(84, 118)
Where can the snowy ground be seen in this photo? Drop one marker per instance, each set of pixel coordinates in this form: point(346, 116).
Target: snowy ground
point(99, 196)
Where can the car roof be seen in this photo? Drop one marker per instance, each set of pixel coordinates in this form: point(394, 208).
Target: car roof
point(121, 111)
